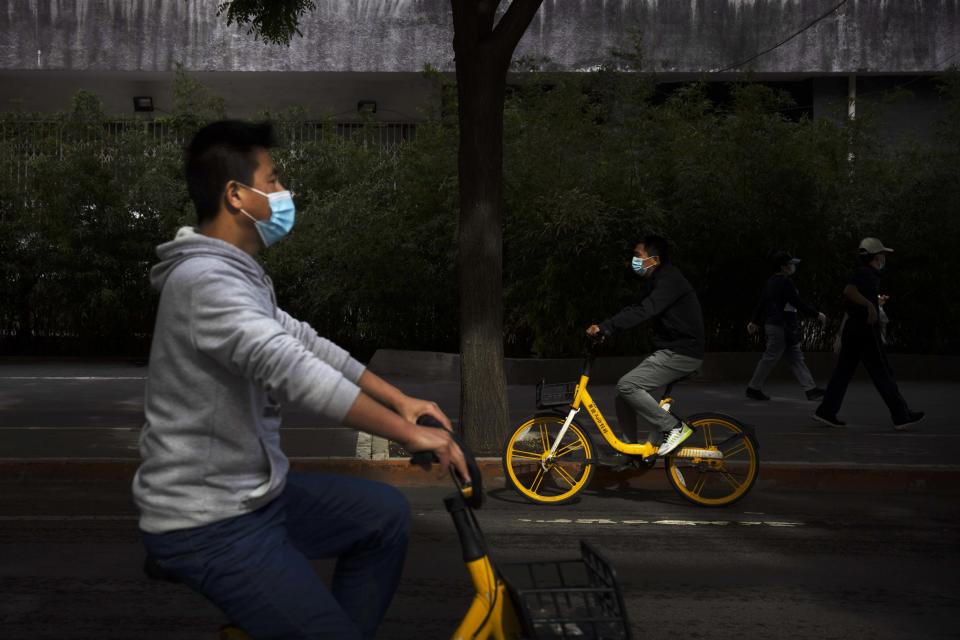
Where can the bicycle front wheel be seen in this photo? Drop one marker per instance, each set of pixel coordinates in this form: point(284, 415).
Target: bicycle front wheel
point(539, 477)
point(715, 466)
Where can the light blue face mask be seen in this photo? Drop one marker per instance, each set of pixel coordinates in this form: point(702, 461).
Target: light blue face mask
point(282, 214)
point(638, 267)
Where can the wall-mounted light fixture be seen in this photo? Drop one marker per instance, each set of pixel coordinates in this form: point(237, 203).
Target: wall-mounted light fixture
point(367, 106)
point(142, 103)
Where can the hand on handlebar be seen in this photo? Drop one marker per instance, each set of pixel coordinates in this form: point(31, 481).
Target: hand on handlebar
point(413, 409)
point(441, 444)
point(595, 332)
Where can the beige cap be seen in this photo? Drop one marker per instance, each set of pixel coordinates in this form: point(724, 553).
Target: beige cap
point(870, 246)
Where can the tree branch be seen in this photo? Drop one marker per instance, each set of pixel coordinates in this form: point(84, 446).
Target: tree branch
point(275, 21)
point(472, 22)
point(486, 13)
point(514, 24)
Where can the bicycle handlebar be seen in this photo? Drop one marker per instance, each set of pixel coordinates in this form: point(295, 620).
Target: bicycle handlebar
point(472, 490)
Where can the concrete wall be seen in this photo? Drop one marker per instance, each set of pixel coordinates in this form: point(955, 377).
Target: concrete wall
point(400, 97)
point(689, 36)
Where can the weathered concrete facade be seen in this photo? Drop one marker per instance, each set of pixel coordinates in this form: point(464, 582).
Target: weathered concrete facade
point(679, 36)
point(354, 50)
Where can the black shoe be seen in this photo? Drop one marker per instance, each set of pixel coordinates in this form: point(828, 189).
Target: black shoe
point(830, 421)
point(756, 394)
point(913, 418)
point(816, 393)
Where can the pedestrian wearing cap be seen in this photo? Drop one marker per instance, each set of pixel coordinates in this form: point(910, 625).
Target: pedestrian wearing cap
point(860, 341)
point(777, 312)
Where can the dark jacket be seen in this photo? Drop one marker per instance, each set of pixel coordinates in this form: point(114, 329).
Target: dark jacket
point(669, 300)
point(780, 303)
point(867, 281)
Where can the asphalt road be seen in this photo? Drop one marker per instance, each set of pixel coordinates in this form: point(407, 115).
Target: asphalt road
point(775, 565)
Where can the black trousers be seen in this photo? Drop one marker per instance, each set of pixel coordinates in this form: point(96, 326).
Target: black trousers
point(858, 344)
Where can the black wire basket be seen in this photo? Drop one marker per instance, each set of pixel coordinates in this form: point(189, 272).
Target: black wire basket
point(569, 598)
point(555, 395)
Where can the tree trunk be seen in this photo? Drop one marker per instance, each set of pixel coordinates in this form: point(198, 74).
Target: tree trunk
point(483, 53)
point(483, 386)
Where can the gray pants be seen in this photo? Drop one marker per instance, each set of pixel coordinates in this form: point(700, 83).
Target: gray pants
point(776, 348)
point(634, 403)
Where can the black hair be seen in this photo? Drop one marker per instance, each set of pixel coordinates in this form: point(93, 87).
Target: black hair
point(220, 152)
point(778, 258)
point(656, 245)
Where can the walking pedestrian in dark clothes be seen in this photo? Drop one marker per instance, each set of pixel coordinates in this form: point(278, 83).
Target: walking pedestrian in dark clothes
point(777, 312)
point(860, 342)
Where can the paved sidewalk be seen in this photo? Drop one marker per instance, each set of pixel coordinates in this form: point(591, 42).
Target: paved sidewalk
point(77, 411)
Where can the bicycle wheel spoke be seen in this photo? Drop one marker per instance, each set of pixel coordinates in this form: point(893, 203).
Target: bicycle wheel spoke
point(708, 441)
point(733, 482)
point(525, 455)
point(544, 437)
point(698, 485)
point(537, 479)
point(570, 448)
point(563, 474)
point(738, 449)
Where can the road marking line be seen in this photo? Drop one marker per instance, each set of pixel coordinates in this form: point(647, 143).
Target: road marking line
point(73, 377)
point(65, 518)
point(892, 434)
point(669, 523)
point(138, 428)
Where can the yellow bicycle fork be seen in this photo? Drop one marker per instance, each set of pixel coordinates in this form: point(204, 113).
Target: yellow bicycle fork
point(491, 614)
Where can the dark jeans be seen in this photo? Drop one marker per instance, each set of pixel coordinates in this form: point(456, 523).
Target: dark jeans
point(862, 344)
point(256, 567)
point(780, 343)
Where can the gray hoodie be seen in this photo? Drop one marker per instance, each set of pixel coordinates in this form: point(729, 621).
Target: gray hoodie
point(224, 358)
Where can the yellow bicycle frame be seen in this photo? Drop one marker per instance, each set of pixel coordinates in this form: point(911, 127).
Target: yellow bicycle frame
point(491, 614)
point(581, 397)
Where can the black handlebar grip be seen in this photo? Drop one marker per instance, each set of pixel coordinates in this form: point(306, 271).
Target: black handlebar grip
point(424, 459)
point(473, 488)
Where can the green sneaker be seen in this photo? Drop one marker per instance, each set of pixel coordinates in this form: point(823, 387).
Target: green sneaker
point(674, 438)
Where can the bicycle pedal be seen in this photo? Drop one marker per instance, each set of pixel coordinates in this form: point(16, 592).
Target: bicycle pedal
point(649, 461)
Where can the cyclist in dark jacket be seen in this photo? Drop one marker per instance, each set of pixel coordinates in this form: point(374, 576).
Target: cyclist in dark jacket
point(670, 302)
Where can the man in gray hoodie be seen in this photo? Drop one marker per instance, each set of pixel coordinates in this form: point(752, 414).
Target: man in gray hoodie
point(219, 508)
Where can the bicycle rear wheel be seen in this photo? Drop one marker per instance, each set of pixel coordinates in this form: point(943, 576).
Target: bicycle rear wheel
point(717, 465)
point(539, 478)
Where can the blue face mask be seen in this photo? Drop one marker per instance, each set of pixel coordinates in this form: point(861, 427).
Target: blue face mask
point(282, 213)
point(639, 268)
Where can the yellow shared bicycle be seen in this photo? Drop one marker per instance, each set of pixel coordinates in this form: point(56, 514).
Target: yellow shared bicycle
point(551, 457)
point(578, 598)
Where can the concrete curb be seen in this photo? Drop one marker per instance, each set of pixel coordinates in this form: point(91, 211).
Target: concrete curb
point(775, 476)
